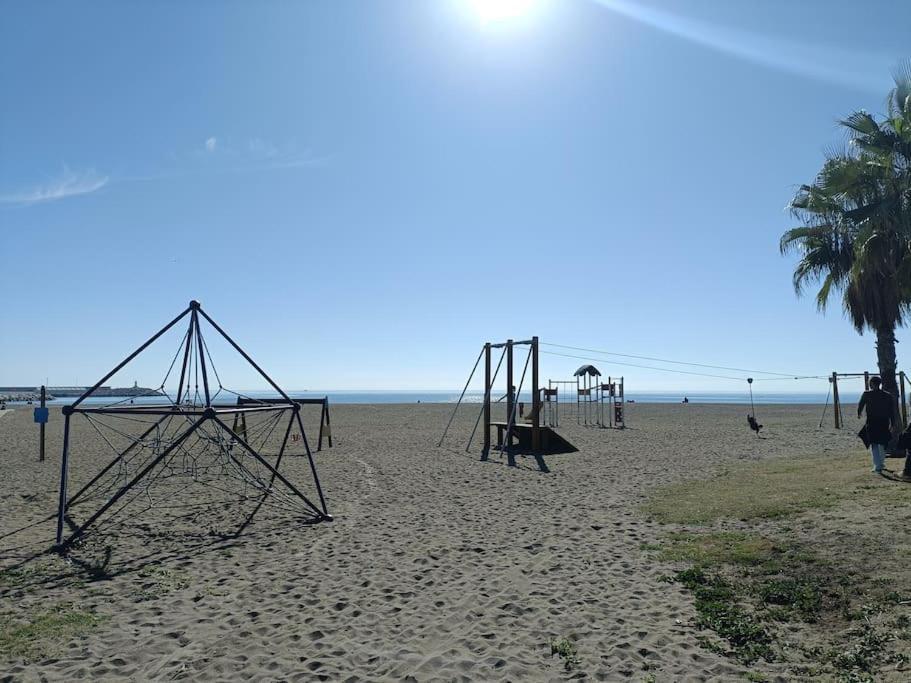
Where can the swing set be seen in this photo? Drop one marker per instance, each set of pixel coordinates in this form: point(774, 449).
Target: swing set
point(833, 393)
point(518, 432)
point(751, 418)
point(900, 380)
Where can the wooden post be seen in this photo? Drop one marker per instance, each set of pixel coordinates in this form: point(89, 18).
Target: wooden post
point(555, 406)
point(535, 399)
point(324, 425)
point(904, 406)
point(509, 395)
point(43, 405)
point(578, 402)
point(328, 422)
point(487, 398)
point(836, 404)
point(622, 404)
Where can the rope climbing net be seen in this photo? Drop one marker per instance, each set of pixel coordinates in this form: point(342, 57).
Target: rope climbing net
point(166, 442)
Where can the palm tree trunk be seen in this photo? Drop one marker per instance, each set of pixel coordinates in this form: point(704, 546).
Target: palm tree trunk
point(885, 357)
point(888, 367)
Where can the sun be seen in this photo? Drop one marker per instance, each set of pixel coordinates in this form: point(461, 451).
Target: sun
point(500, 10)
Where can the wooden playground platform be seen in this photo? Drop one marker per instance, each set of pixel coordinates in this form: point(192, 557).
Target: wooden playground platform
point(521, 438)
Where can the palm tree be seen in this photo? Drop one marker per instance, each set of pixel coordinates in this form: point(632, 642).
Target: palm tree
point(855, 237)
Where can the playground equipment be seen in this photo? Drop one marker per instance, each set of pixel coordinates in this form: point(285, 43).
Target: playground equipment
point(185, 440)
point(751, 418)
point(588, 381)
point(900, 379)
point(592, 398)
point(325, 426)
point(552, 397)
point(612, 394)
point(515, 432)
point(550, 406)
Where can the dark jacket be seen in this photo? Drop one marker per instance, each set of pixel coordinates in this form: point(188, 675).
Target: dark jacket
point(880, 408)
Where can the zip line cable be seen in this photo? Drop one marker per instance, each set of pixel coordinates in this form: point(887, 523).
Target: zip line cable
point(783, 375)
point(680, 372)
point(647, 367)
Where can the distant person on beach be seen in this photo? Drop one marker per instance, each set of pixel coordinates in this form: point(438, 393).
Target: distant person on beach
point(877, 432)
point(686, 399)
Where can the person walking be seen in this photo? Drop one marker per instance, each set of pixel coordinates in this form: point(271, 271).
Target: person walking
point(877, 432)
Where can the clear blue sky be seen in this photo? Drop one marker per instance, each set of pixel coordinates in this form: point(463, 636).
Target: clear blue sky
point(364, 192)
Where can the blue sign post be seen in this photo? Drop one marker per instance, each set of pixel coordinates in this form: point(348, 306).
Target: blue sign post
point(41, 419)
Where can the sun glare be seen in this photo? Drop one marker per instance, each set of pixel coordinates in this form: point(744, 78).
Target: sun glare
point(500, 10)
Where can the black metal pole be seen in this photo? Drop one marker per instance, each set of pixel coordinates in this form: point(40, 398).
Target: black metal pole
point(535, 398)
point(319, 488)
point(328, 423)
point(510, 399)
point(485, 408)
point(64, 461)
point(41, 426)
point(322, 418)
point(202, 360)
point(129, 358)
point(186, 359)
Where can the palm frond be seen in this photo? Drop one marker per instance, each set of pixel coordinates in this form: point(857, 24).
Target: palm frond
point(854, 236)
point(861, 122)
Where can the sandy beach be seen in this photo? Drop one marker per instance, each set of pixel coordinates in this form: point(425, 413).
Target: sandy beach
point(437, 567)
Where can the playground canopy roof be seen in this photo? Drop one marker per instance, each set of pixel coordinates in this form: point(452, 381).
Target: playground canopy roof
point(587, 370)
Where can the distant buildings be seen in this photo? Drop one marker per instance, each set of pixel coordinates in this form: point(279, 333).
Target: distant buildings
point(34, 393)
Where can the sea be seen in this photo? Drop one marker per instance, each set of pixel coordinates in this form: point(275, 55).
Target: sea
point(442, 396)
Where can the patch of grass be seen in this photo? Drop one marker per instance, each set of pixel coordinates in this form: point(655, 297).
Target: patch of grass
point(35, 571)
point(847, 589)
point(801, 594)
point(721, 547)
point(43, 634)
point(770, 489)
point(784, 578)
point(566, 650)
point(718, 609)
point(867, 655)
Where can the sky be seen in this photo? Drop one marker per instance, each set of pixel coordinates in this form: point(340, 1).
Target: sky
point(362, 193)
